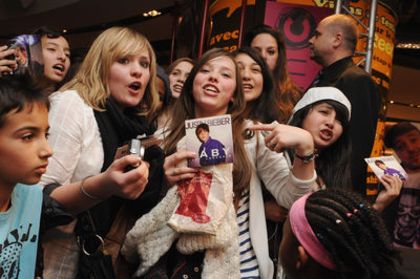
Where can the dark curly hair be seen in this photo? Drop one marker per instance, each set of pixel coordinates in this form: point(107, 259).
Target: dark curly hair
point(359, 242)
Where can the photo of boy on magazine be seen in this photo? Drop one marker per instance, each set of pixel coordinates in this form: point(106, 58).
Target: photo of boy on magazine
point(386, 165)
point(211, 139)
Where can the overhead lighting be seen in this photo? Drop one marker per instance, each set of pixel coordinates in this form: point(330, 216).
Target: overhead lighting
point(64, 31)
point(408, 45)
point(151, 13)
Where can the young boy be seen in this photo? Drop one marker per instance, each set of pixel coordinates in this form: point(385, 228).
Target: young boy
point(211, 151)
point(24, 153)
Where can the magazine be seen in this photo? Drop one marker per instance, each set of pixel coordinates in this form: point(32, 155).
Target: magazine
point(386, 165)
point(211, 139)
point(28, 56)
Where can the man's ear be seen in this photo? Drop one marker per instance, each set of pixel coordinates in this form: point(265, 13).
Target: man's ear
point(338, 39)
point(302, 259)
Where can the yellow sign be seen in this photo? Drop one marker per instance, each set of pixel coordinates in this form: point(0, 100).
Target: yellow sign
point(386, 21)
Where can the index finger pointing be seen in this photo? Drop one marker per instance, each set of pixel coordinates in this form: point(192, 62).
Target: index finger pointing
point(262, 127)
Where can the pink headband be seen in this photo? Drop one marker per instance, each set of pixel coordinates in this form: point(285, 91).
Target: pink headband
point(306, 236)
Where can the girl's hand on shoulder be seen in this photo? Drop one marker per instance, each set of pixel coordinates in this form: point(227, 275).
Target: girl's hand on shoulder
point(392, 185)
point(176, 169)
point(126, 177)
point(279, 137)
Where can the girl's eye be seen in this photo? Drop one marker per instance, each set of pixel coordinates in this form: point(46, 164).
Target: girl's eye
point(123, 61)
point(47, 135)
point(324, 111)
point(256, 70)
point(50, 49)
point(145, 64)
point(271, 51)
point(27, 137)
point(204, 70)
point(227, 75)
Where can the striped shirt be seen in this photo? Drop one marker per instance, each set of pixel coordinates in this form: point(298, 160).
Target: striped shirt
point(248, 260)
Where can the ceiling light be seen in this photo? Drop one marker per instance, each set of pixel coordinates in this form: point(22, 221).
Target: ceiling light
point(152, 13)
point(408, 45)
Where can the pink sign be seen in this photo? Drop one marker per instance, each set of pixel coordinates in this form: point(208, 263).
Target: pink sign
point(297, 23)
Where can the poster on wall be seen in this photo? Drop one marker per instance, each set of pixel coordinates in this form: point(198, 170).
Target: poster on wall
point(225, 18)
point(297, 23)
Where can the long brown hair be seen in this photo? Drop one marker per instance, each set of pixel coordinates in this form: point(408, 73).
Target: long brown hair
point(288, 94)
point(184, 109)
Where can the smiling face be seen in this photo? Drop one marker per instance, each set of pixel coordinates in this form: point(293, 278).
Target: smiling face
point(178, 76)
point(214, 86)
point(23, 141)
point(252, 78)
point(56, 56)
point(128, 78)
point(321, 121)
point(267, 46)
point(407, 147)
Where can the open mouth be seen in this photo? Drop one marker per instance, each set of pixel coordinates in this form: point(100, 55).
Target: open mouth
point(247, 86)
point(326, 134)
point(134, 86)
point(59, 67)
point(210, 89)
point(177, 88)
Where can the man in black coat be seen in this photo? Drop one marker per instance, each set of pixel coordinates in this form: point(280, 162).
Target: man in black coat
point(333, 46)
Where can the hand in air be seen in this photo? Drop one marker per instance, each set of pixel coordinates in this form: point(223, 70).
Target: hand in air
point(7, 66)
point(392, 185)
point(279, 137)
point(126, 184)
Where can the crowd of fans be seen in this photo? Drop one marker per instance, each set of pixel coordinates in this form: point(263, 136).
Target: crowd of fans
point(295, 206)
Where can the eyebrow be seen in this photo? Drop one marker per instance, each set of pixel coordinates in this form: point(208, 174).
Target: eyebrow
point(55, 44)
point(325, 105)
point(224, 68)
point(31, 128)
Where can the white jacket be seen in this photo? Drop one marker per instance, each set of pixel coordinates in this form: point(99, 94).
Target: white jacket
point(273, 170)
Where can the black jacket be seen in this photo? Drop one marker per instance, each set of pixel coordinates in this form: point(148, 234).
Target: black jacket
point(363, 95)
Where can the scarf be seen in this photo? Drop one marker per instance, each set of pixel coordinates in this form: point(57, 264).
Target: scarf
point(116, 126)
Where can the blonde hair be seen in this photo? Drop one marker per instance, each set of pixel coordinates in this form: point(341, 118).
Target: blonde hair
point(91, 80)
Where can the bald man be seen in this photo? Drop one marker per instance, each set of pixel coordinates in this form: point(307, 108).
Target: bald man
point(332, 46)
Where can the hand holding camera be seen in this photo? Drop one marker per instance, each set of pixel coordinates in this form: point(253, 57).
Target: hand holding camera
point(135, 148)
point(8, 63)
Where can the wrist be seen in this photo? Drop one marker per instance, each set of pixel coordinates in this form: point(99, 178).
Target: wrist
point(308, 157)
point(89, 188)
point(306, 144)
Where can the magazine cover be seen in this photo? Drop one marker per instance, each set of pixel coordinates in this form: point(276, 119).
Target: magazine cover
point(28, 56)
point(386, 165)
point(211, 139)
